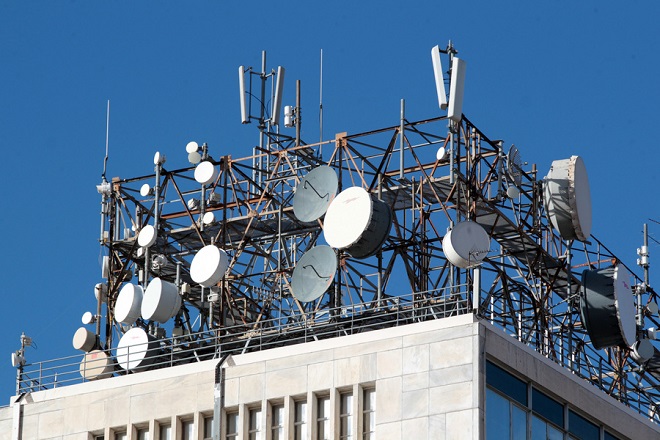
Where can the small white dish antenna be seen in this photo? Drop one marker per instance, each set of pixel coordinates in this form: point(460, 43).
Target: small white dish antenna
point(17, 360)
point(314, 273)
point(159, 158)
point(192, 147)
point(84, 340)
point(194, 158)
point(147, 236)
point(314, 194)
point(161, 301)
point(439, 79)
point(206, 173)
point(357, 222)
point(466, 245)
point(512, 192)
point(145, 190)
point(209, 218)
point(88, 318)
point(441, 153)
point(209, 266)
point(455, 111)
point(129, 301)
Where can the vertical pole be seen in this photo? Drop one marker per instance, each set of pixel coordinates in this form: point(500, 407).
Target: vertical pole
point(401, 135)
point(298, 113)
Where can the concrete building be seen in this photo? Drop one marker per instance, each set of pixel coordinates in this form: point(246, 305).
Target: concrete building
point(450, 378)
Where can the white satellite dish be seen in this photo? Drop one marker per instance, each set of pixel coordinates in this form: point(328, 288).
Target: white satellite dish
point(136, 350)
point(194, 158)
point(88, 318)
point(314, 194)
point(466, 245)
point(96, 365)
point(159, 158)
point(192, 147)
point(161, 301)
point(209, 266)
point(147, 236)
point(145, 190)
point(314, 273)
point(455, 112)
point(206, 173)
point(439, 78)
point(84, 340)
point(567, 198)
point(441, 153)
point(208, 218)
point(129, 301)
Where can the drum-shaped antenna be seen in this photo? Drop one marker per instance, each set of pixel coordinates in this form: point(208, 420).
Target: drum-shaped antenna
point(357, 222)
point(568, 199)
point(466, 245)
point(314, 273)
point(147, 236)
point(128, 304)
point(314, 194)
point(96, 365)
point(607, 307)
point(206, 173)
point(514, 165)
point(84, 340)
point(209, 266)
point(136, 350)
point(161, 301)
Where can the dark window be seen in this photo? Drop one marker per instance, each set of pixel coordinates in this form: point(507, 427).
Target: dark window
point(581, 427)
point(609, 436)
point(547, 407)
point(507, 383)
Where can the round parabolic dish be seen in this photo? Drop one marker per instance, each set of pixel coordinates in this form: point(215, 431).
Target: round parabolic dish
point(607, 307)
point(314, 273)
point(466, 245)
point(314, 194)
point(136, 350)
point(209, 266)
point(84, 340)
point(161, 301)
point(129, 301)
point(205, 172)
point(357, 223)
point(147, 236)
point(192, 147)
point(568, 199)
point(96, 365)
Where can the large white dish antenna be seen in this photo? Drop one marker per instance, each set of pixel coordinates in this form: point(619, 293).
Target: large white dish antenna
point(568, 199)
point(314, 273)
point(84, 340)
point(607, 307)
point(128, 304)
point(466, 245)
point(147, 236)
point(161, 301)
point(136, 350)
point(96, 365)
point(357, 222)
point(206, 172)
point(209, 266)
point(314, 194)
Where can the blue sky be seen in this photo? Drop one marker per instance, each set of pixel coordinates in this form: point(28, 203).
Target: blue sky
point(555, 78)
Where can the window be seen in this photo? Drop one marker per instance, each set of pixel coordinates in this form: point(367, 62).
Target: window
point(300, 420)
point(345, 416)
point(323, 417)
point(254, 428)
point(507, 383)
point(208, 427)
point(120, 436)
point(369, 414)
point(581, 427)
point(232, 425)
point(143, 434)
point(187, 430)
point(277, 422)
point(165, 431)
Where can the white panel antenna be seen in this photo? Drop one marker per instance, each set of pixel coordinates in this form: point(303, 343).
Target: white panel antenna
point(241, 85)
point(277, 102)
point(456, 87)
point(439, 79)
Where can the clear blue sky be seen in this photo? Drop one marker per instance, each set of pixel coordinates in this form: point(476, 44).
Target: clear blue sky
point(555, 78)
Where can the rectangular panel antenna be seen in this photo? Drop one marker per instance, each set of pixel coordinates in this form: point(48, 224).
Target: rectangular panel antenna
point(456, 87)
point(277, 102)
point(245, 119)
point(439, 79)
